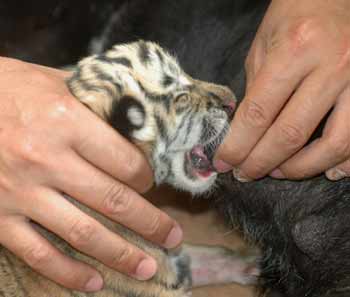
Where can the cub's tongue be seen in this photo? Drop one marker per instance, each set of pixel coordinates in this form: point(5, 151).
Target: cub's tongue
point(199, 160)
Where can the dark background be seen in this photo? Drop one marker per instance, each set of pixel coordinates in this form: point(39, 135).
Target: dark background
point(51, 32)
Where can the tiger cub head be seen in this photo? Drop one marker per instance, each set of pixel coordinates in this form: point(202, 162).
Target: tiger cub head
point(177, 121)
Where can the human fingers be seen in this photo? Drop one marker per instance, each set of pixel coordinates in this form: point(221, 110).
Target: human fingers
point(117, 201)
point(295, 124)
point(107, 150)
point(339, 172)
point(89, 236)
point(266, 95)
point(94, 140)
point(18, 236)
point(326, 152)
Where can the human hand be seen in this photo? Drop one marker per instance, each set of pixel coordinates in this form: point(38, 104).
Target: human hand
point(51, 144)
point(298, 69)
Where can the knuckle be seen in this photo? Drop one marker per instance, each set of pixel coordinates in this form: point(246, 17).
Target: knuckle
point(117, 200)
point(291, 136)
point(343, 62)
point(28, 152)
point(254, 114)
point(154, 225)
point(133, 166)
point(61, 106)
point(122, 256)
point(37, 257)
point(305, 33)
point(81, 233)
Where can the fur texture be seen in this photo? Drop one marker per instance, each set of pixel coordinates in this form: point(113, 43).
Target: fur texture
point(302, 227)
point(177, 121)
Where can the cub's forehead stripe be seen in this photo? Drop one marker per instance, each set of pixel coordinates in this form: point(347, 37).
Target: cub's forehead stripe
point(101, 74)
point(164, 99)
point(117, 60)
point(76, 81)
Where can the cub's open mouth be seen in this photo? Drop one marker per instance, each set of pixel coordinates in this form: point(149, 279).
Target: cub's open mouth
point(200, 161)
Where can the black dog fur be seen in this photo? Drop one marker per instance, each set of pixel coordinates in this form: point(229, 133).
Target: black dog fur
point(303, 228)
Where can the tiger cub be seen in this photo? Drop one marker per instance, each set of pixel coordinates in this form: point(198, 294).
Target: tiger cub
point(178, 122)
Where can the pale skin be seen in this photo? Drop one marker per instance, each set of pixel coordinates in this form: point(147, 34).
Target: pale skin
point(298, 69)
point(52, 144)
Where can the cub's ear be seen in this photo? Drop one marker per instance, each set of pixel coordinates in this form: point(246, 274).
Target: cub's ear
point(127, 116)
point(111, 91)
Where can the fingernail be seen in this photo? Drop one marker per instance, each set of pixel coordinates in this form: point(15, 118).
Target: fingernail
point(277, 173)
point(335, 174)
point(174, 238)
point(94, 284)
point(222, 166)
point(146, 269)
point(240, 176)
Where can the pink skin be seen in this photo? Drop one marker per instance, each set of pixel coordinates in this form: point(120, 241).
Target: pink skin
point(215, 265)
point(218, 165)
point(207, 169)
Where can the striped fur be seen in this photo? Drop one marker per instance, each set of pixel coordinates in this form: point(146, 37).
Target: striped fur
point(142, 92)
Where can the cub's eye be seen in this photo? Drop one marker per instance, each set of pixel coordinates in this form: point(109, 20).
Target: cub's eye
point(182, 99)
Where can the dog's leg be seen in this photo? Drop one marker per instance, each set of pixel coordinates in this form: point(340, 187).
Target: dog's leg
point(216, 265)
